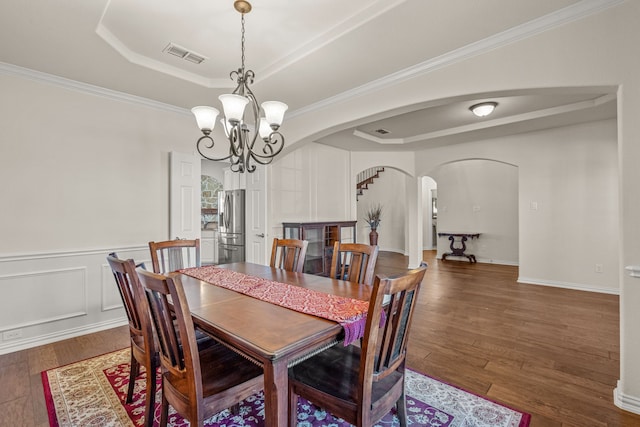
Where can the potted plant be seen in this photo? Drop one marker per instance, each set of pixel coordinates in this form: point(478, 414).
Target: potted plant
point(373, 217)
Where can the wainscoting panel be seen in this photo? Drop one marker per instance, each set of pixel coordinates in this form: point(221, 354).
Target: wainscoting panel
point(111, 298)
point(53, 296)
point(30, 294)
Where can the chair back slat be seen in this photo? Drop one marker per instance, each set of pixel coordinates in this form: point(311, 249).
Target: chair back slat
point(289, 254)
point(354, 262)
point(176, 339)
point(143, 340)
point(126, 280)
point(172, 255)
point(384, 346)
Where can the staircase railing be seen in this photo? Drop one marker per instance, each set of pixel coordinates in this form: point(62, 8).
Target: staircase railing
point(365, 178)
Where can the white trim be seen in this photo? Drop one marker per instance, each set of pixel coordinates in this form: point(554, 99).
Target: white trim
point(69, 253)
point(634, 270)
point(26, 343)
point(14, 70)
point(624, 401)
point(152, 64)
point(529, 29)
point(567, 285)
point(563, 16)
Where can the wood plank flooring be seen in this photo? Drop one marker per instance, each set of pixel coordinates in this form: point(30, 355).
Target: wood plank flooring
point(551, 352)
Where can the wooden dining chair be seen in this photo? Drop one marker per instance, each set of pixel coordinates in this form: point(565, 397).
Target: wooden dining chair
point(354, 262)
point(143, 349)
point(362, 384)
point(172, 255)
point(289, 254)
point(197, 381)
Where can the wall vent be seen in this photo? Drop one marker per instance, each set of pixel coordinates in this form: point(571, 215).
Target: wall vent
point(186, 54)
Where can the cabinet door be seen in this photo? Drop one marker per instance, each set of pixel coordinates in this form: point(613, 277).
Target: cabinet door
point(315, 250)
point(206, 251)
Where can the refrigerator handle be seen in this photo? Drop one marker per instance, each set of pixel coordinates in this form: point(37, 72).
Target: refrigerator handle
point(227, 208)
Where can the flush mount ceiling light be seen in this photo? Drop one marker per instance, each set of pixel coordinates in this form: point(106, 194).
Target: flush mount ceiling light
point(243, 130)
point(483, 109)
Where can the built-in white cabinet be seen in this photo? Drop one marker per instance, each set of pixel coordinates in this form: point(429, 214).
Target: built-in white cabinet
point(209, 247)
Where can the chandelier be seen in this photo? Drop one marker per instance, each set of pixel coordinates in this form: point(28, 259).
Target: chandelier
point(252, 139)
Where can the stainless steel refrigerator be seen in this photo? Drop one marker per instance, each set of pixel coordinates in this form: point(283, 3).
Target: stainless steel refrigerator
point(231, 217)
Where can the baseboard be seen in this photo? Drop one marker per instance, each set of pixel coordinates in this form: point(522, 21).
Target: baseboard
point(398, 251)
point(480, 260)
point(26, 343)
point(626, 402)
point(566, 285)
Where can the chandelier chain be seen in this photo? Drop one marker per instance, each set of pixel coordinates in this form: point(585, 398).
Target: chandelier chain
point(242, 42)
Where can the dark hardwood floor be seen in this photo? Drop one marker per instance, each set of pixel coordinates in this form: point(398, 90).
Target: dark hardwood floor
point(551, 352)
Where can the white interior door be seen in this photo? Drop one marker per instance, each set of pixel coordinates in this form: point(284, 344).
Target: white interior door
point(257, 241)
point(184, 195)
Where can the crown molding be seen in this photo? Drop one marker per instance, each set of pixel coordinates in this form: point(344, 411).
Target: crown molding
point(563, 16)
point(14, 70)
point(547, 22)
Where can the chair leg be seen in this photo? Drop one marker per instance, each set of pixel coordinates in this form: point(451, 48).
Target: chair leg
point(164, 412)
point(293, 408)
point(235, 409)
point(401, 407)
point(150, 398)
point(134, 370)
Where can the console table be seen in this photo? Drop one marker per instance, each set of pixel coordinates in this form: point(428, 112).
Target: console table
point(460, 250)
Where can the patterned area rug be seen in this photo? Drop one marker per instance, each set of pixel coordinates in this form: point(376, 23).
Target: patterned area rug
point(92, 393)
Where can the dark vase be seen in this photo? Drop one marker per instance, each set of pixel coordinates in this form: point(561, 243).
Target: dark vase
point(373, 237)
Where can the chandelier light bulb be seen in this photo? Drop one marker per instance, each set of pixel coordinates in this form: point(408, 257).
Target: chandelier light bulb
point(233, 106)
point(274, 112)
point(264, 129)
point(205, 117)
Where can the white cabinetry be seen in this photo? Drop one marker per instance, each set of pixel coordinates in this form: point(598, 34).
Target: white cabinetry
point(209, 247)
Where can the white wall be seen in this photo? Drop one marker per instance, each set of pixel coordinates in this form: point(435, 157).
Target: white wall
point(213, 169)
point(571, 175)
point(389, 191)
point(479, 196)
point(309, 184)
point(82, 175)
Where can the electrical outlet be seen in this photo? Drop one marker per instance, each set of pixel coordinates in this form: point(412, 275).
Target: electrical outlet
point(12, 335)
point(599, 268)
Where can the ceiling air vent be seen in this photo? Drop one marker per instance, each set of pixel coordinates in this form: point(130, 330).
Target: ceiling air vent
point(381, 131)
point(183, 53)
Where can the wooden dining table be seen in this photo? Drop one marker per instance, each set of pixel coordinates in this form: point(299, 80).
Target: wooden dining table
point(270, 335)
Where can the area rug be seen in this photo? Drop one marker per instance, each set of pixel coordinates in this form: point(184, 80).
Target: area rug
point(92, 393)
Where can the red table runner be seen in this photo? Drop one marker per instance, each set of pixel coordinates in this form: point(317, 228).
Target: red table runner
point(350, 313)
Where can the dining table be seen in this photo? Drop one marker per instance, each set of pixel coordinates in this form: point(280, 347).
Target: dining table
point(268, 334)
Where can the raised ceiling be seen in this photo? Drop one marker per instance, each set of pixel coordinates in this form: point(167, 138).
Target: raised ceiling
point(305, 53)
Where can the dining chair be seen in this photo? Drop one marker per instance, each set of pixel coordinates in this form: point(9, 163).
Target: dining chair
point(172, 255)
point(143, 349)
point(362, 384)
point(197, 381)
point(354, 262)
point(289, 254)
